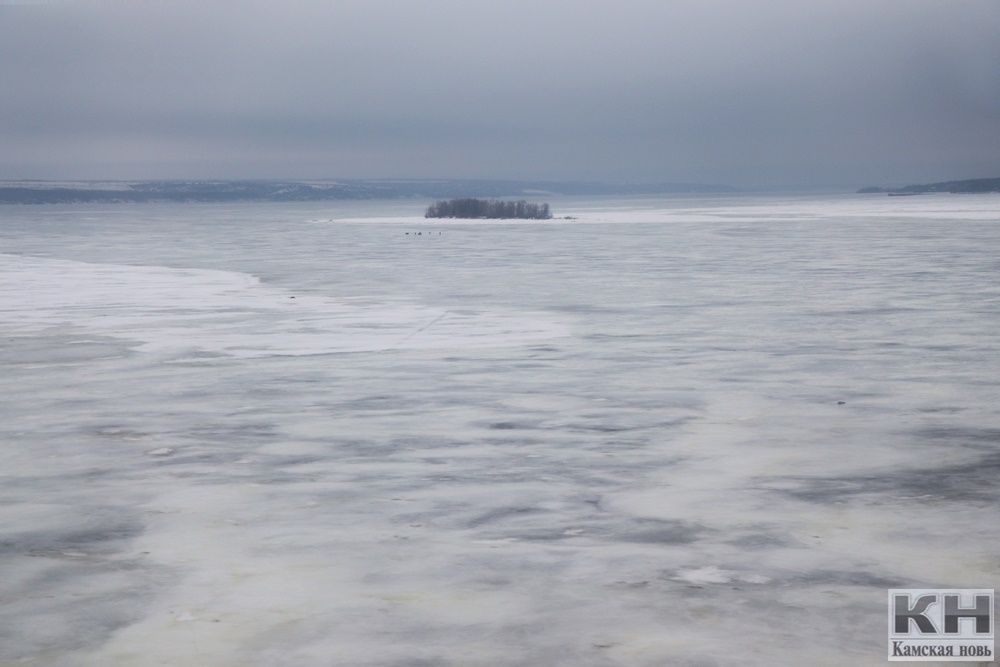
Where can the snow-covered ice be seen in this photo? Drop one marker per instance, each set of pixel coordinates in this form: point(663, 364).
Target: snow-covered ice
point(207, 311)
point(669, 432)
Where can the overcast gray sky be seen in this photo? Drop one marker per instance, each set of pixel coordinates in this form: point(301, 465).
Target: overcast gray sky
point(750, 93)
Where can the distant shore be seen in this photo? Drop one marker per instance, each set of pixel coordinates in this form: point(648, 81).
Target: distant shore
point(112, 192)
point(968, 186)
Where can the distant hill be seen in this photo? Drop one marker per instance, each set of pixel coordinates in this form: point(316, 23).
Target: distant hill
point(52, 192)
point(974, 185)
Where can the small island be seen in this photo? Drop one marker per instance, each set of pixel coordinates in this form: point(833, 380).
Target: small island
point(494, 209)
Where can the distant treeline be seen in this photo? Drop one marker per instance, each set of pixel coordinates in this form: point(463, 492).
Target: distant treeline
point(487, 208)
point(969, 186)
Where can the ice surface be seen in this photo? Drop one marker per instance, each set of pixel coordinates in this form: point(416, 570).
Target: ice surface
point(198, 310)
point(670, 432)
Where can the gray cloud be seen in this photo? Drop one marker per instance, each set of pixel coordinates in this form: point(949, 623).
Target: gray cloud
point(751, 93)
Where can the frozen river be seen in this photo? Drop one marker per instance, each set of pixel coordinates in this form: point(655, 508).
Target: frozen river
point(668, 432)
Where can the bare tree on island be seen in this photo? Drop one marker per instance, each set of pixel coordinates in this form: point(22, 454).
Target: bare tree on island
point(487, 208)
